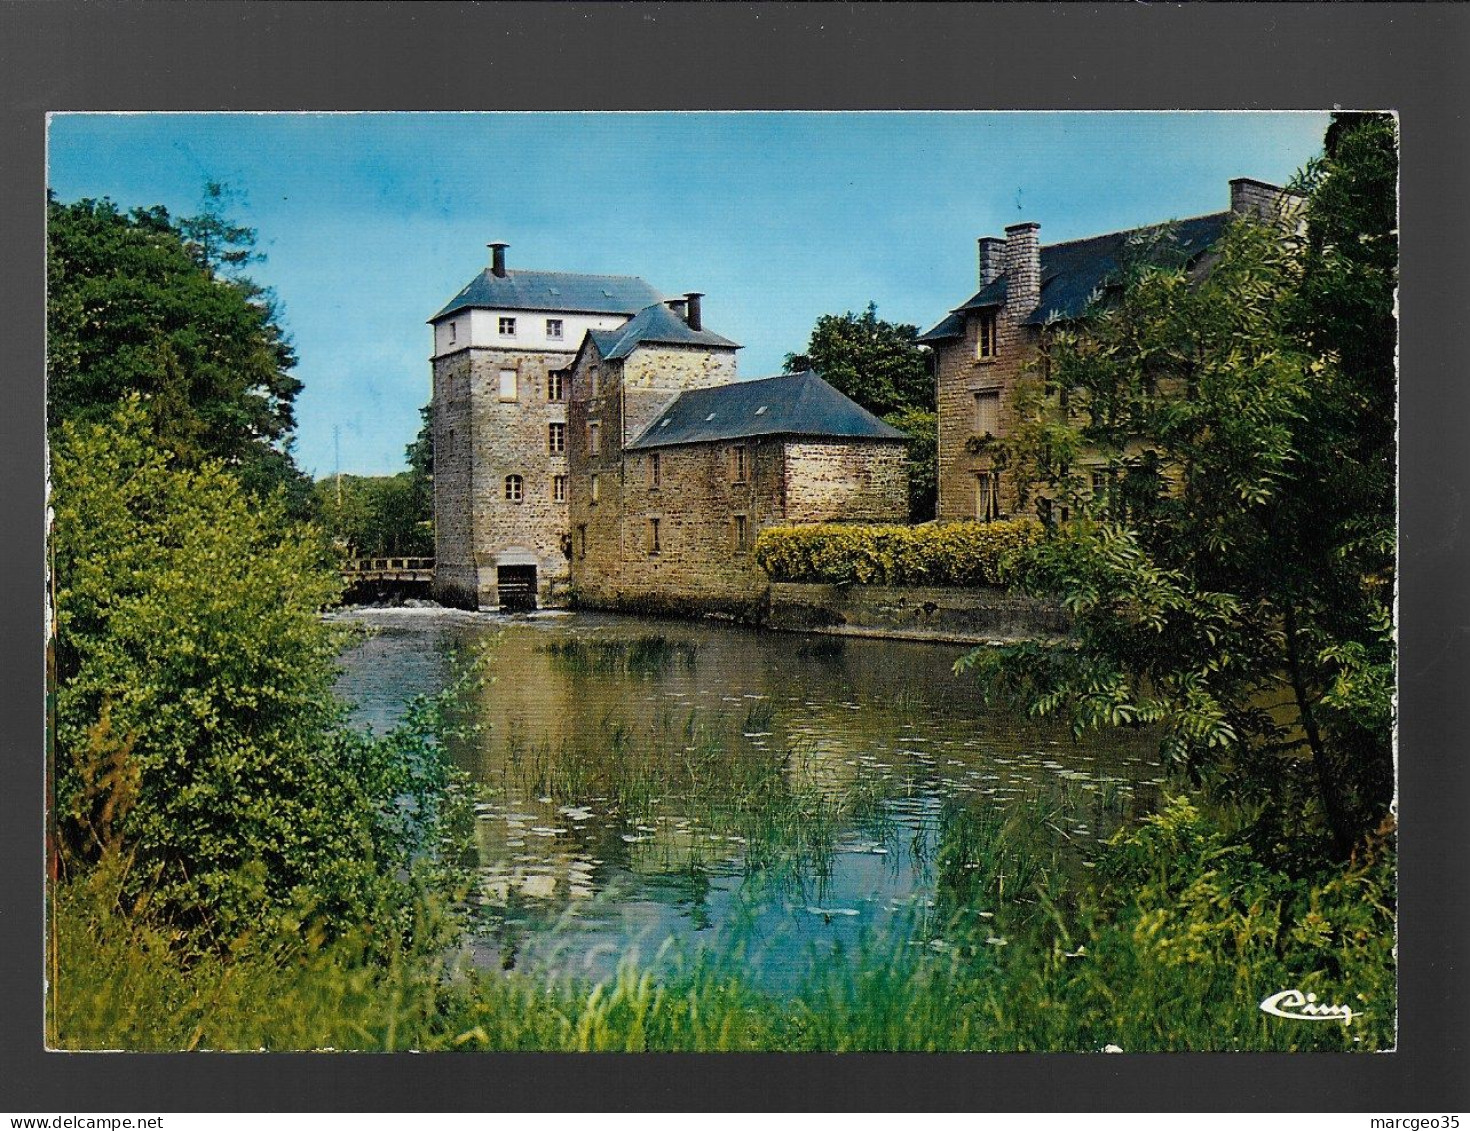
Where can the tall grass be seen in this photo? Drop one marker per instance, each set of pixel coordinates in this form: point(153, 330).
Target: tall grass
point(1174, 948)
point(642, 655)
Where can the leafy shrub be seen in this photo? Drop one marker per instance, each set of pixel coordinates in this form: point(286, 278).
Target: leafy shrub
point(955, 553)
point(1189, 930)
point(197, 737)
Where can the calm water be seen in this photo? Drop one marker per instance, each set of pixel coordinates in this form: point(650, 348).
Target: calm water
point(641, 781)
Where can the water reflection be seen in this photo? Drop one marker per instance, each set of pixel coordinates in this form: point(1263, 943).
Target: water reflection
point(644, 780)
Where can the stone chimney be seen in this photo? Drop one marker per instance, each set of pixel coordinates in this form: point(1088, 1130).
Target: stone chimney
point(1023, 268)
point(677, 305)
point(497, 258)
point(992, 258)
point(695, 318)
point(1257, 198)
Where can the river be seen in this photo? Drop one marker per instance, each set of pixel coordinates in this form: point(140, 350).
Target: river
point(648, 788)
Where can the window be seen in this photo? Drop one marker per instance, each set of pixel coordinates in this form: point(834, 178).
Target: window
point(655, 470)
point(582, 541)
point(558, 488)
point(986, 344)
point(742, 532)
point(737, 463)
point(594, 493)
point(594, 382)
point(556, 437)
point(1102, 489)
point(987, 412)
point(554, 329)
point(653, 546)
point(987, 496)
point(507, 327)
point(555, 386)
point(515, 488)
point(507, 384)
point(594, 438)
point(452, 329)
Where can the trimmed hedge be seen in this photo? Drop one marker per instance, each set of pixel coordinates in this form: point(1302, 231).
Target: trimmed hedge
point(952, 553)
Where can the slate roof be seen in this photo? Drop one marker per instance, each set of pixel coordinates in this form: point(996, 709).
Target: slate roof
point(656, 323)
point(553, 291)
point(1071, 272)
point(800, 404)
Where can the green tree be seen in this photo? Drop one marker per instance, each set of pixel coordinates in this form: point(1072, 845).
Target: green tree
point(376, 516)
point(197, 738)
point(876, 363)
point(137, 303)
point(1223, 438)
point(881, 366)
point(420, 455)
point(922, 428)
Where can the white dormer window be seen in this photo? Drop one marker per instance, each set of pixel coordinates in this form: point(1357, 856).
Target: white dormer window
point(507, 327)
point(761, 411)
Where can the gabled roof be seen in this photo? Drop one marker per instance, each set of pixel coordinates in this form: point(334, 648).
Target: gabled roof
point(654, 324)
point(553, 291)
point(1072, 272)
point(800, 404)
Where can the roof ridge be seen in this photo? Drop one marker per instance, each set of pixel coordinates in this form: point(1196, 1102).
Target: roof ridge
point(511, 271)
point(1139, 228)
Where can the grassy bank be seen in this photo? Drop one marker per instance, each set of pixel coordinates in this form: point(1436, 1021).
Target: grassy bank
point(1173, 948)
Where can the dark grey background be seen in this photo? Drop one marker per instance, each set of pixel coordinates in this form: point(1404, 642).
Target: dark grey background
point(272, 56)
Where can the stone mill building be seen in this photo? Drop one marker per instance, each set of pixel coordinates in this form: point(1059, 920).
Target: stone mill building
point(593, 443)
point(502, 347)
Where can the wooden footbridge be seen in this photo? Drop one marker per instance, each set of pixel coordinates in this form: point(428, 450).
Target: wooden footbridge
point(379, 578)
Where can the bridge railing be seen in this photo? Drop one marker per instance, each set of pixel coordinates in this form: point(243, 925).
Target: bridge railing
point(387, 565)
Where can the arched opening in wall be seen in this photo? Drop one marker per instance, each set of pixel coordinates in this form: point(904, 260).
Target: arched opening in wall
point(515, 580)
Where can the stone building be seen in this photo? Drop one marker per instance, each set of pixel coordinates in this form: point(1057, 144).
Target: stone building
point(676, 467)
point(984, 345)
point(502, 347)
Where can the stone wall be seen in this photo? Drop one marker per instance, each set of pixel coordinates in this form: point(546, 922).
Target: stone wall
point(594, 523)
point(486, 439)
point(961, 374)
point(846, 481)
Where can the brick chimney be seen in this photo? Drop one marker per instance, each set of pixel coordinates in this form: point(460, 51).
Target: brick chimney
point(1023, 268)
point(992, 258)
point(695, 317)
point(497, 258)
point(1256, 198)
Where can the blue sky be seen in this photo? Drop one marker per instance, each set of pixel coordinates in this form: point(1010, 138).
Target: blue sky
point(371, 222)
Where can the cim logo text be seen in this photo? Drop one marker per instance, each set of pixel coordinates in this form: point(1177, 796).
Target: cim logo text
point(1304, 1007)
